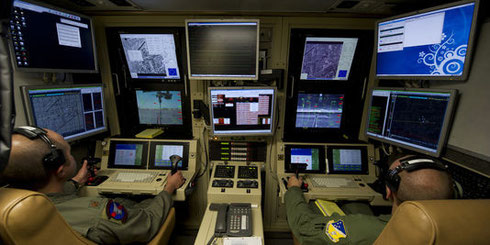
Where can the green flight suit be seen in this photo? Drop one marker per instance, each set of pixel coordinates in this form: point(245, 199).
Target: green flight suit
point(314, 228)
point(88, 216)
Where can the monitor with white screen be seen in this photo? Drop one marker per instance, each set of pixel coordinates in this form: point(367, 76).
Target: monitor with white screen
point(160, 153)
point(150, 56)
point(328, 58)
point(434, 43)
point(319, 110)
point(304, 159)
point(50, 39)
point(223, 49)
point(159, 107)
point(347, 160)
point(73, 111)
point(242, 110)
point(416, 119)
point(128, 154)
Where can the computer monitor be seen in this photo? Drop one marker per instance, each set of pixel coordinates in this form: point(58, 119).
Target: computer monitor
point(159, 107)
point(223, 49)
point(328, 58)
point(160, 153)
point(319, 110)
point(347, 160)
point(416, 119)
point(305, 159)
point(150, 56)
point(73, 111)
point(51, 39)
point(242, 110)
point(128, 154)
point(434, 43)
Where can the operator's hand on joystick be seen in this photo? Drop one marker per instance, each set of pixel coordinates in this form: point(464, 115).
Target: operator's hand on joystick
point(174, 181)
point(83, 174)
point(293, 181)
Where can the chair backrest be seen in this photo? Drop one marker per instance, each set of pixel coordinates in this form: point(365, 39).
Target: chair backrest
point(438, 222)
point(28, 217)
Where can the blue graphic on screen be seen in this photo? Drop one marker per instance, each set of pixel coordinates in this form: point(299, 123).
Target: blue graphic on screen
point(430, 44)
point(159, 107)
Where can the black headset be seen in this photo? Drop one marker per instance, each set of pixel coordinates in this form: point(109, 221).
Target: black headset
point(55, 157)
point(410, 164)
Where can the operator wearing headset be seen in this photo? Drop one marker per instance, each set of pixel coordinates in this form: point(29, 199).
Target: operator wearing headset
point(409, 178)
point(40, 160)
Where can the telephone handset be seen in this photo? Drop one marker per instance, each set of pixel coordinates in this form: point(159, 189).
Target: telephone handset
point(233, 220)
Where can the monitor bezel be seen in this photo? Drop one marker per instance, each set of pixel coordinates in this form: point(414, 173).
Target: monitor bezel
point(152, 31)
point(189, 68)
point(364, 157)
point(30, 115)
point(445, 129)
point(469, 50)
point(94, 50)
point(112, 152)
point(185, 160)
point(321, 156)
point(273, 111)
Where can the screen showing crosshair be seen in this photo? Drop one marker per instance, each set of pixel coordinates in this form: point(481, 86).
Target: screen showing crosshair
point(410, 118)
point(159, 107)
point(319, 110)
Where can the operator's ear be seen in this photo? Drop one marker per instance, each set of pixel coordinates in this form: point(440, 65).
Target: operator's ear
point(61, 172)
point(389, 193)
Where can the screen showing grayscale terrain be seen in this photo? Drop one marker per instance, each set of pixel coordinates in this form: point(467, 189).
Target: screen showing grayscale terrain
point(151, 56)
point(319, 110)
point(327, 58)
point(159, 107)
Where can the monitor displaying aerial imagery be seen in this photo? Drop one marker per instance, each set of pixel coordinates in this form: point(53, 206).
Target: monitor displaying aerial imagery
point(328, 58)
point(151, 56)
point(319, 110)
point(159, 107)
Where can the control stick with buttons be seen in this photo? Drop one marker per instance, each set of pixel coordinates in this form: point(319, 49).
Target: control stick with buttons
point(175, 159)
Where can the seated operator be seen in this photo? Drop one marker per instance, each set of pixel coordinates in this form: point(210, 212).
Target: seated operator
point(310, 227)
point(100, 219)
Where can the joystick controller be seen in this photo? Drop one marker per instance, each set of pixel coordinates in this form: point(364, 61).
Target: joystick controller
point(304, 186)
point(92, 179)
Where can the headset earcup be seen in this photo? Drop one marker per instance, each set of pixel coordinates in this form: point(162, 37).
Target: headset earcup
point(54, 159)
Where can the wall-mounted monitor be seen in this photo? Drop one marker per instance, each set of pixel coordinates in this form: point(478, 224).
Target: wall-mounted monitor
point(328, 58)
point(304, 159)
point(242, 110)
point(73, 111)
point(416, 119)
point(222, 49)
point(50, 39)
point(434, 43)
point(150, 56)
point(157, 107)
point(319, 110)
point(160, 153)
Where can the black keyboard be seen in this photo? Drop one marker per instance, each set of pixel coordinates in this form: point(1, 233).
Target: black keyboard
point(223, 171)
point(247, 172)
point(475, 186)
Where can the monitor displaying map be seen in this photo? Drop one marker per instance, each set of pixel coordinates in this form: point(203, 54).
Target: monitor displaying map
point(159, 107)
point(151, 56)
point(327, 58)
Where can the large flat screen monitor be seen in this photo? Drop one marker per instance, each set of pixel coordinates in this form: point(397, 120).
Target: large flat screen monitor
point(319, 110)
point(73, 111)
point(328, 58)
point(223, 49)
point(157, 107)
point(150, 56)
point(50, 39)
point(431, 44)
point(304, 159)
point(242, 110)
point(418, 120)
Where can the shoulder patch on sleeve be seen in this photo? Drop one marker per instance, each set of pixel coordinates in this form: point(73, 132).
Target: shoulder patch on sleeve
point(116, 212)
point(335, 230)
